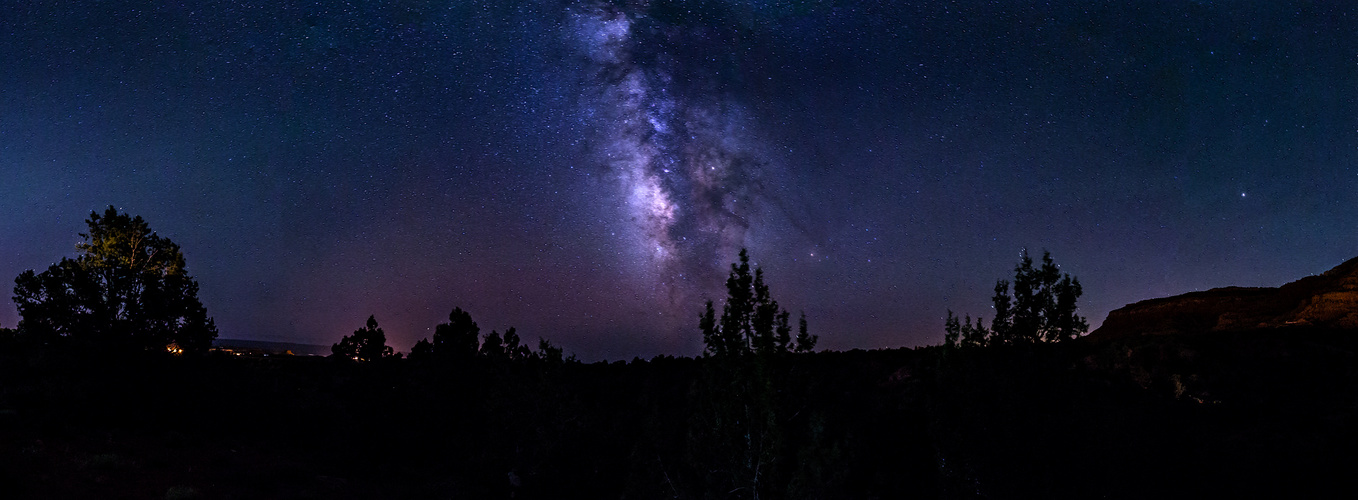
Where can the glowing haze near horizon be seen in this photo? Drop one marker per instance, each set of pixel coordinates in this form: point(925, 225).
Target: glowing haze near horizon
point(585, 171)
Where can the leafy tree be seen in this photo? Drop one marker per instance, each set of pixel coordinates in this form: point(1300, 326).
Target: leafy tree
point(366, 344)
point(127, 288)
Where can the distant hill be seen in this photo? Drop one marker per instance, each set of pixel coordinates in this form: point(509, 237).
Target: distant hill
point(1329, 300)
point(273, 347)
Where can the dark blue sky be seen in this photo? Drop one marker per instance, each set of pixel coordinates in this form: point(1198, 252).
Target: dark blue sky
point(584, 170)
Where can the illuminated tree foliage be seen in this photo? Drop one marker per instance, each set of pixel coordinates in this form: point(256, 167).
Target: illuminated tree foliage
point(128, 287)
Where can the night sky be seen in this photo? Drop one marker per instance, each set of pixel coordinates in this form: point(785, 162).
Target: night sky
point(585, 171)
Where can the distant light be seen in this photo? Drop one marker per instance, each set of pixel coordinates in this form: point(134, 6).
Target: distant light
point(1242, 195)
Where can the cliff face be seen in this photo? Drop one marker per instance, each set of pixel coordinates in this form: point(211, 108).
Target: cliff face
point(1328, 300)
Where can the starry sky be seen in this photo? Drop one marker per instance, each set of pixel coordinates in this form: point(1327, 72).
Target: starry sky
point(585, 170)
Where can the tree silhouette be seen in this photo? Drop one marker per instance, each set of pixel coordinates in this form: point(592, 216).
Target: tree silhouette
point(493, 347)
point(751, 321)
point(7, 336)
point(805, 342)
point(366, 344)
point(423, 349)
point(962, 332)
point(1002, 324)
point(550, 353)
point(951, 330)
point(513, 349)
point(974, 335)
point(1044, 303)
point(128, 288)
point(1041, 308)
point(458, 338)
point(741, 432)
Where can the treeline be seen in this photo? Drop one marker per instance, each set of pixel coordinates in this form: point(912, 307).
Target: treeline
point(733, 423)
point(1025, 407)
point(458, 340)
point(470, 415)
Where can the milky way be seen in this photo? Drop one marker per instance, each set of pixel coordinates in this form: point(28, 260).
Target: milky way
point(681, 150)
point(585, 170)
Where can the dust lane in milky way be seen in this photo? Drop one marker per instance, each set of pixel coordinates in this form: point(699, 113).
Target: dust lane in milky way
point(685, 157)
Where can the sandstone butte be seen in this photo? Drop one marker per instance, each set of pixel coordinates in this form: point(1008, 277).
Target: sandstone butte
point(1328, 301)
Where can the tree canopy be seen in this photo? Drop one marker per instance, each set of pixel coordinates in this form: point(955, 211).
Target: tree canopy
point(127, 287)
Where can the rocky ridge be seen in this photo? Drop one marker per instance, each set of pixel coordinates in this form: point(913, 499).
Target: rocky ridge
point(1328, 300)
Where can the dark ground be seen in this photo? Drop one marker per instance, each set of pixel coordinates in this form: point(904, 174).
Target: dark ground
point(1257, 414)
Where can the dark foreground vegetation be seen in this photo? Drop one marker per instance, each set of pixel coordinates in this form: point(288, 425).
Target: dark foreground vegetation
point(108, 389)
point(1268, 413)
